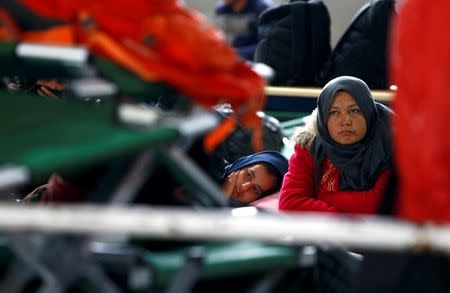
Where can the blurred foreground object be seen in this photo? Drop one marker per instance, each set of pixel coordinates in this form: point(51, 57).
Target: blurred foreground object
point(421, 69)
point(150, 41)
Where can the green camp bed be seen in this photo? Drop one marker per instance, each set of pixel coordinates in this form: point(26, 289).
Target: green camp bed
point(47, 136)
point(35, 61)
point(222, 260)
point(207, 265)
point(120, 267)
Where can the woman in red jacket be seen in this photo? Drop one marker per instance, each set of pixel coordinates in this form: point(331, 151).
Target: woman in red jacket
point(343, 157)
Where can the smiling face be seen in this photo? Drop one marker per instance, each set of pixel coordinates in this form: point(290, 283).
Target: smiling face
point(249, 183)
point(346, 123)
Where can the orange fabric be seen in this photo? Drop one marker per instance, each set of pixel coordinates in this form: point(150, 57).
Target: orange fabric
point(224, 130)
point(421, 70)
point(165, 41)
point(63, 35)
point(104, 45)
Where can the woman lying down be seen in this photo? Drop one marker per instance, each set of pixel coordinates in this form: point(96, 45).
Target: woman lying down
point(246, 180)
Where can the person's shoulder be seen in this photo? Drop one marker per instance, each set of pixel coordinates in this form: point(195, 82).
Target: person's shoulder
point(302, 150)
point(303, 138)
point(305, 135)
point(301, 157)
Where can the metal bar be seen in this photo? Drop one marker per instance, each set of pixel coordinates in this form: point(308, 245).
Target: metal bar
point(209, 190)
point(226, 224)
point(135, 179)
point(64, 54)
point(309, 92)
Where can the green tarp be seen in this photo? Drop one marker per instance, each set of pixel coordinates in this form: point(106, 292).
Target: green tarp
point(49, 135)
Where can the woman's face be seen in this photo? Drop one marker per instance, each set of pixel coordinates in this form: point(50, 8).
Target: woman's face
point(249, 183)
point(346, 123)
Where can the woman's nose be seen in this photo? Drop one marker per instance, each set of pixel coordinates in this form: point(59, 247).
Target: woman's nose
point(347, 120)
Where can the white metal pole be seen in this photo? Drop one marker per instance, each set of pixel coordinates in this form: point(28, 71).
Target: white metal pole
point(229, 224)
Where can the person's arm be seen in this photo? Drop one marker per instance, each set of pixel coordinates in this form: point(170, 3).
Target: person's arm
point(364, 202)
point(297, 191)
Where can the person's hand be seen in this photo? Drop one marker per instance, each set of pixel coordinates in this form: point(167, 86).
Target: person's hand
point(36, 195)
point(45, 92)
point(50, 88)
point(229, 183)
point(57, 189)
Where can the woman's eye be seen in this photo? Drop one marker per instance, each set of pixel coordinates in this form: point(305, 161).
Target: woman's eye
point(333, 113)
point(355, 110)
point(256, 191)
point(248, 175)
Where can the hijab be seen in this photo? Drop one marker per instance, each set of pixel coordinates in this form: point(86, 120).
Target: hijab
point(360, 163)
point(273, 158)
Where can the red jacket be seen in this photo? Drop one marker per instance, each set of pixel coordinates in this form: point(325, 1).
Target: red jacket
point(297, 192)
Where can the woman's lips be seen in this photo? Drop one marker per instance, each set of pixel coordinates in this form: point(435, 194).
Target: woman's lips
point(346, 132)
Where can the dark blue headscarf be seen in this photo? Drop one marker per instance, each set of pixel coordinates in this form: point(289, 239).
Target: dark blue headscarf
point(360, 163)
point(273, 158)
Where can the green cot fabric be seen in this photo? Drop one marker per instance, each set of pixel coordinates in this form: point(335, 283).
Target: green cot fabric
point(49, 135)
point(225, 260)
point(128, 83)
point(8, 60)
